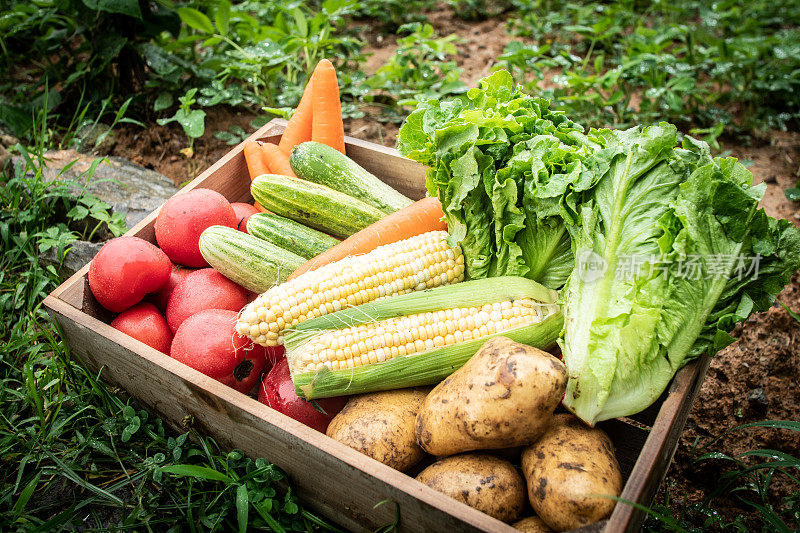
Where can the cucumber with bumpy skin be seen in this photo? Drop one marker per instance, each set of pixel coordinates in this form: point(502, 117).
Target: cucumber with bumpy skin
point(290, 235)
point(327, 166)
point(251, 262)
point(314, 205)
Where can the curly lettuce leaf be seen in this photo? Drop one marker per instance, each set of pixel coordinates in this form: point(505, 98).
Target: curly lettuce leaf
point(481, 173)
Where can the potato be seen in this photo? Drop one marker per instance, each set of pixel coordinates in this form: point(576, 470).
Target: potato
point(504, 396)
point(485, 482)
point(532, 524)
point(381, 425)
point(567, 464)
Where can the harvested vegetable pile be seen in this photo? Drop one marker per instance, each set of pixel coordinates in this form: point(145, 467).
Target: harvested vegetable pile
point(672, 250)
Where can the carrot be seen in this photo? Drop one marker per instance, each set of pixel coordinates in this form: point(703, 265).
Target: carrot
point(278, 161)
point(327, 126)
point(299, 128)
point(256, 162)
point(419, 217)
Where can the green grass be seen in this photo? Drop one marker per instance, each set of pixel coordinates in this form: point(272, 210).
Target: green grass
point(748, 479)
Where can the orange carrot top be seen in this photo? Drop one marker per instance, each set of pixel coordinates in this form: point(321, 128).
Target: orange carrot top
point(299, 128)
point(327, 126)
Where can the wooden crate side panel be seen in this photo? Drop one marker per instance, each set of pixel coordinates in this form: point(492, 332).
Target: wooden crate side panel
point(656, 455)
point(334, 480)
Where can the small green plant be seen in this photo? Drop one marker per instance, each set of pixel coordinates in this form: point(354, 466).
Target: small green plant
point(191, 120)
point(264, 60)
point(419, 70)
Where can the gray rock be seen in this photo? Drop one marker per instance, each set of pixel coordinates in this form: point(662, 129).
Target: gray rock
point(78, 254)
point(89, 135)
point(129, 188)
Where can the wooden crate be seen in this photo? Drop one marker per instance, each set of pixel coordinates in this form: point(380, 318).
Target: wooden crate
point(332, 479)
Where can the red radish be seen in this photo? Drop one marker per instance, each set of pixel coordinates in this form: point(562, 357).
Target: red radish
point(207, 342)
point(184, 217)
point(203, 289)
point(161, 296)
point(124, 270)
point(243, 214)
point(277, 391)
point(143, 322)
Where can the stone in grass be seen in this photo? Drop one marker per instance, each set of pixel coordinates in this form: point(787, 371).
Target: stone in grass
point(130, 189)
point(98, 138)
point(77, 255)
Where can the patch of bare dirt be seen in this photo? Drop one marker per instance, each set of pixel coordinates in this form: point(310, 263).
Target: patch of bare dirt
point(159, 147)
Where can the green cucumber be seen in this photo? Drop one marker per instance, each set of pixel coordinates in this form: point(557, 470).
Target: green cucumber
point(253, 263)
point(327, 166)
point(289, 235)
point(314, 205)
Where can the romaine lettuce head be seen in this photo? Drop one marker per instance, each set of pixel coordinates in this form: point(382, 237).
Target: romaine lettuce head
point(672, 251)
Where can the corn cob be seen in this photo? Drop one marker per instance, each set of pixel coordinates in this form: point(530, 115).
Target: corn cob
point(419, 338)
point(413, 264)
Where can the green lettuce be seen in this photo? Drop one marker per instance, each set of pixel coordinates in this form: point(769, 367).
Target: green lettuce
point(477, 150)
point(672, 252)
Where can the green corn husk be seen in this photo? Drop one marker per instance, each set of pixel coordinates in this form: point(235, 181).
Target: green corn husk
point(430, 366)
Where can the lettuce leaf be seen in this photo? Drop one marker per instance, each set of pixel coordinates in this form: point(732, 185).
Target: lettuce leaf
point(477, 150)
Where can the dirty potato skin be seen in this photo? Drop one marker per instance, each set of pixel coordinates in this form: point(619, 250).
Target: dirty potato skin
point(504, 396)
point(487, 483)
point(532, 524)
point(568, 462)
point(381, 425)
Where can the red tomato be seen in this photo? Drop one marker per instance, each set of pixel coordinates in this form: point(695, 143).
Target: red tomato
point(124, 270)
point(243, 214)
point(203, 289)
point(277, 391)
point(184, 217)
point(161, 297)
point(208, 342)
point(143, 322)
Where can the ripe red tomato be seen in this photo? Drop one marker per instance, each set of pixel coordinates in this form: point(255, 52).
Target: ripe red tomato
point(277, 391)
point(143, 322)
point(208, 342)
point(161, 297)
point(204, 289)
point(184, 217)
point(124, 270)
point(243, 213)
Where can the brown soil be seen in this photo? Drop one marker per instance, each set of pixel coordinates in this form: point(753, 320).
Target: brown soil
point(766, 356)
point(159, 147)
